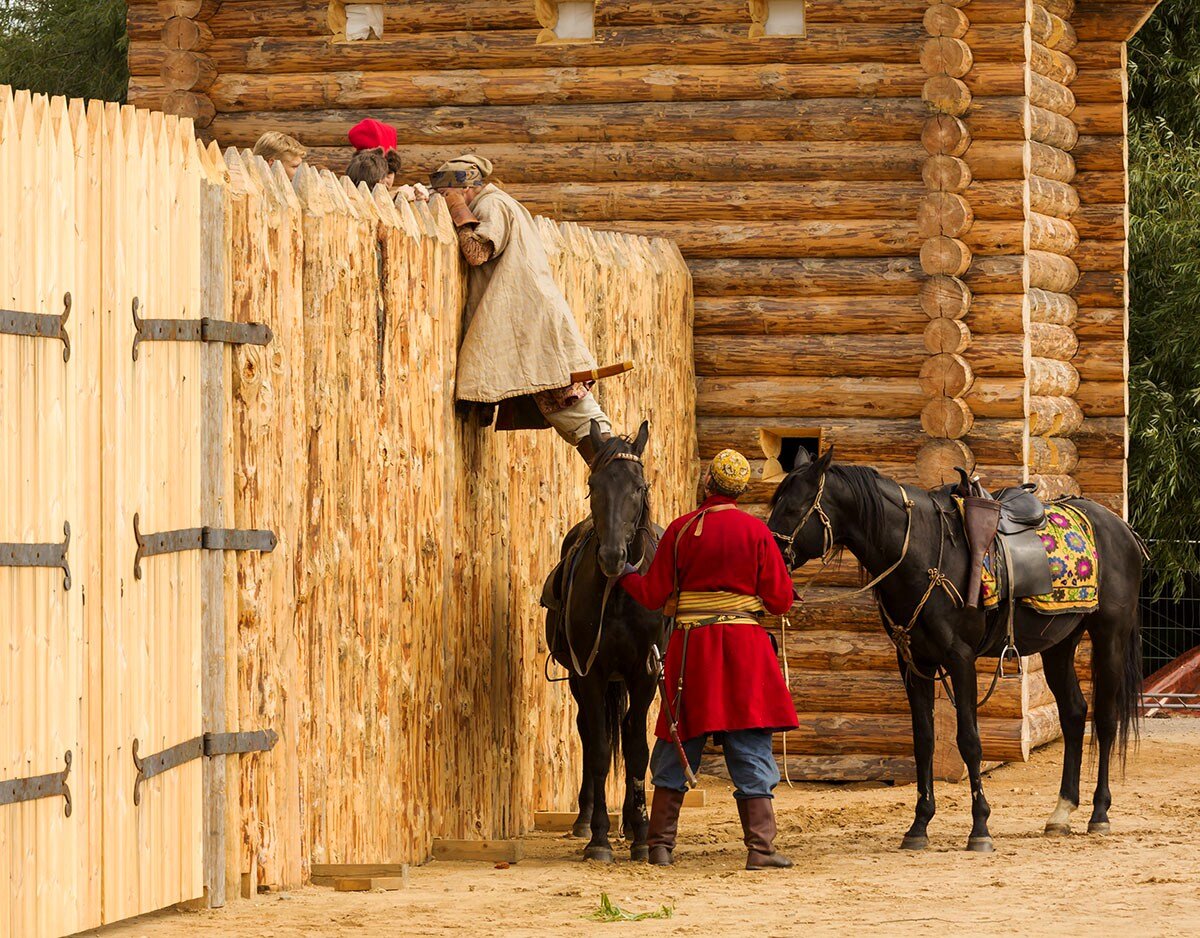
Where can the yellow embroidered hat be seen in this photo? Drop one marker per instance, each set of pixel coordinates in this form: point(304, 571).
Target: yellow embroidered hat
point(729, 472)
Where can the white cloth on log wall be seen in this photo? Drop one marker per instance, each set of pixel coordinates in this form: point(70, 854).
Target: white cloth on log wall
point(521, 335)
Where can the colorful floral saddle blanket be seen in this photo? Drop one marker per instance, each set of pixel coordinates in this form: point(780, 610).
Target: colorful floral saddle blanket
point(1074, 567)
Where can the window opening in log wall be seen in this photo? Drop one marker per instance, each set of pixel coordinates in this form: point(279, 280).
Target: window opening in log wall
point(777, 18)
point(361, 22)
point(783, 447)
point(567, 20)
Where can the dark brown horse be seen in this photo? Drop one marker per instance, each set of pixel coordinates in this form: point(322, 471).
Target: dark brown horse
point(821, 506)
point(603, 638)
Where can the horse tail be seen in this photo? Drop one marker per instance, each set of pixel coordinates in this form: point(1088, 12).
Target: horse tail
point(1129, 701)
point(616, 703)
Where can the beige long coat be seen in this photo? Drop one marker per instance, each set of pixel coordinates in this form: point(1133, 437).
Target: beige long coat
point(521, 335)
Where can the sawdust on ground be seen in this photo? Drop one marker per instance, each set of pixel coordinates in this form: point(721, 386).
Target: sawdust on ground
point(1142, 879)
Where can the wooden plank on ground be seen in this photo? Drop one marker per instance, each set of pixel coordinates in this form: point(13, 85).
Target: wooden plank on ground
point(565, 820)
point(370, 883)
point(492, 851)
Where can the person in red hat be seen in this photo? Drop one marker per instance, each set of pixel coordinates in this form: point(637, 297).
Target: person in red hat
point(368, 134)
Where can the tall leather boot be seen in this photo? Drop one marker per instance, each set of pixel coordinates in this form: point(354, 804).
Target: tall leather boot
point(586, 449)
point(758, 826)
point(664, 824)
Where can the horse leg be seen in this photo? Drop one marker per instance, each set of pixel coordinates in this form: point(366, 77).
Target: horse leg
point(1059, 668)
point(963, 677)
point(920, 705)
point(597, 753)
point(637, 758)
point(1107, 675)
point(583, 820)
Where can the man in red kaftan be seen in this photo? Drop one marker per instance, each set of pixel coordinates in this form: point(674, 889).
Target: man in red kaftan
point(720, 570)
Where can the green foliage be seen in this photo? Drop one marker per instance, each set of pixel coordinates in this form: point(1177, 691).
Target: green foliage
point(1165, 288)
point(608, 911)
point(75, 48)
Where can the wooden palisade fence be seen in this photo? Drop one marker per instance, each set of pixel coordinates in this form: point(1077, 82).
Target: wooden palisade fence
point(376, 629)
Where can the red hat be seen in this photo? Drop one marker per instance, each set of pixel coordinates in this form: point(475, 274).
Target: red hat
point(371, 133)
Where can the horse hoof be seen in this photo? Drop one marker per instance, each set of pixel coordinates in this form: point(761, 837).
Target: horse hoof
point(1099, 827)
point(914, 843)
point(639, 853)
point(1058, 830)
point(599, 854)
point(980, 845)
point(582, 831)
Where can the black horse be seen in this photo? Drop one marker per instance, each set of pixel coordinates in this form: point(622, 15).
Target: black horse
point(603, 638)
point(821, 506)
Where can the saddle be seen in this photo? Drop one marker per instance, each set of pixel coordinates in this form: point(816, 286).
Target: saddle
point(1007, 524)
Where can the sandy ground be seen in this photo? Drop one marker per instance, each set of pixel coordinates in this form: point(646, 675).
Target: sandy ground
point(1143, 879)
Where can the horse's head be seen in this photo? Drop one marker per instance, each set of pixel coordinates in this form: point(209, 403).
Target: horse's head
point(618, 495)
point(797, 517)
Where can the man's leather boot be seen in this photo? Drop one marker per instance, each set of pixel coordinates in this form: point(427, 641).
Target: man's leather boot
point(758, 826)
point(587, 450)
point(664, 824)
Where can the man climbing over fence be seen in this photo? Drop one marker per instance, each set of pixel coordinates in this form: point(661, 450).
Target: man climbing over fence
point(522, 349)
point(717, 571)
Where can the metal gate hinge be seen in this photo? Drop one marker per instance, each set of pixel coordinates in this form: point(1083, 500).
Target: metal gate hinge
point(209, 745)
point(40, 325)
point(39, 786)
point(172, 542)
point(197, 330)
point(40, 555)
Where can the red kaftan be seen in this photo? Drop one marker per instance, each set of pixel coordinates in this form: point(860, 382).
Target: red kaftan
point(733, 680)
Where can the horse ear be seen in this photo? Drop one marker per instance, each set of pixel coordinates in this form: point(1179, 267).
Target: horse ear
point(643, 437)
point(596, 435)
point(822, 464)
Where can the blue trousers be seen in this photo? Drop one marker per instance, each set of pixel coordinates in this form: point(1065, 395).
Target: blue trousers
point(747, 755)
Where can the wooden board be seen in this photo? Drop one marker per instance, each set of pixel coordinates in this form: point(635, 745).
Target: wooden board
point(565, 820)
point(491, 851)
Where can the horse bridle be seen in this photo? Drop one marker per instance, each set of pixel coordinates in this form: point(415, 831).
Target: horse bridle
point(789, 540)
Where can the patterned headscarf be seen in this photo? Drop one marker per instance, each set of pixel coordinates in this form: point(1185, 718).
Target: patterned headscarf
point(460, 172)
point(729, 473)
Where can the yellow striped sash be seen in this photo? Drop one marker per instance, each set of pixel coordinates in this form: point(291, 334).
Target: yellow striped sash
point(706, 608)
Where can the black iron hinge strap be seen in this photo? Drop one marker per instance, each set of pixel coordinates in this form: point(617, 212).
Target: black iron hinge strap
point(40, 555)
point(206, 538)
point(39, 786)
point(197, 330)
point(209, 745)
point(40, 325)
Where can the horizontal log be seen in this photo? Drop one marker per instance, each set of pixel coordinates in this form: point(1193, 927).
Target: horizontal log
point(183, 35)
point(857, 440)
point(1053, 64)
point(1103, 222)
point(601, 84)
point(1057, 308)
point(1099, 322)
point(832, 734)
point(945, 134)
point(1092, 54)
point(943, 297)
point(952, 336)
point(946, 374)
point(1096, 188)
point(1102, 85)
point(1096, 476)
point(1105, 154)
point(1052, 272)
point(1054, 485)
point(1102, 288)
point(1117, 503)
point(1047, 340)
point(1102, 255)
point(1051, 95)
point(898, 275)
point(943, 55)
point(946, 94)
point(1060, 8)
point(1102, 360)
point(996, 79)
point(835, 119)
point(1051, 162)
point(1051, 30)
point(997, 313)
point(1041, 725)
point(848, 768)
point(1052, 129)
point(999, 274)
point(782, 397)
point(196, 107)
point(997, 397)
point(697, 238)
point(1054, 235)
point(1103, 398)
point(731, 201)
point(1101, 119)
point(1049, 377)
point(1052, 454)
point(947, 417)
point(830, 356)
point(187, 71)
point(850, 691)
point(791, 161)
point(1111, 22)
point(945, 173)
point(946, 256)
point(1050, 197)
point(939, 460)
point(768, 315)
point(944, 19)
point(1102, 438)
point(836, 608)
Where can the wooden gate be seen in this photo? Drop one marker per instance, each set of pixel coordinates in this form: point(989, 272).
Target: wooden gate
point(102, 204)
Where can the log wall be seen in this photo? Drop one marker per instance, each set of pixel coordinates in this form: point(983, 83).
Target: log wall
point(883, 221)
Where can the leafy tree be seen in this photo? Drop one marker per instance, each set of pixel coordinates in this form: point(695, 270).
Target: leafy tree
point(75, 48)
point(1165, 289)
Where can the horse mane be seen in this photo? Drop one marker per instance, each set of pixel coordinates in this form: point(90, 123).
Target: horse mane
point(863, 482)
